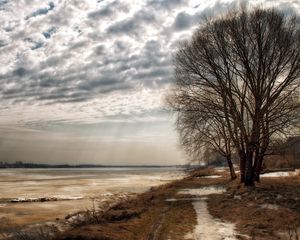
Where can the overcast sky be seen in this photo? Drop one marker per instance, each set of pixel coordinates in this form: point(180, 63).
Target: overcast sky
point(83, 81)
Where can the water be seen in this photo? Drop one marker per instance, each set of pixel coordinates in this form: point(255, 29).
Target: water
point(72, 190)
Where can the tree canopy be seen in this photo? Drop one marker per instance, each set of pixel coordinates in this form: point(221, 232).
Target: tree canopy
point(237, 84)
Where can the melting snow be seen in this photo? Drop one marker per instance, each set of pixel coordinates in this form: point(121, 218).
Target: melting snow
point(281, 174)
point(211, 176)
point(203, 191)
point(208, 227)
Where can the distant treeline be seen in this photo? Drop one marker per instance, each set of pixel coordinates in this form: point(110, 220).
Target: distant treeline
point(20, 164)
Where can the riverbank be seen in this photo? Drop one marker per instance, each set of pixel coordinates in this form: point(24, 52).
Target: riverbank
point(178, 211)
point(43, 198)
point(204, 205)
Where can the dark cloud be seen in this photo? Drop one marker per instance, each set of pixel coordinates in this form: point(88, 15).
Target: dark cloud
point(2, 4)
point(154, 73)
point(101, 81)
point(21, 72)
point(166, 4)
point(47, 82)
point(104, 12)
point(34, 44)
point(107, 11)
point(184, 21)
point(120, 46)
point(48, 33)
point(79, 44)
point(41, 11)
point(63, 96)
point(55, 60)
point(98, 51)
point(3, 43)
point(37, 45)
point(132, 25)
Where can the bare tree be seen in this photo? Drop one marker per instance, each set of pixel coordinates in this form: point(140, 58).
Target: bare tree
point(243, 68)
point(203, 128)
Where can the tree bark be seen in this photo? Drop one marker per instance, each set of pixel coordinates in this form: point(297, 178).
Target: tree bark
point(231, 168)
point(257, 170)
point(249, 169)
point(242, 167)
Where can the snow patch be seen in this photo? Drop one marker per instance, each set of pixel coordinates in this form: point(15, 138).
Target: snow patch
point(211, 176)
point(281, 174)
point(203, 191)
point(208, 227)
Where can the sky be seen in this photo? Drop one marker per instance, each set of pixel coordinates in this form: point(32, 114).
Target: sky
point(83, 81)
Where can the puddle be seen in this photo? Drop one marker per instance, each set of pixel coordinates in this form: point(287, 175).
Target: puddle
point(208, 227)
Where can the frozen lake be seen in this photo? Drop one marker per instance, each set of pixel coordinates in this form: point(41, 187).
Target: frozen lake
point(72, 190)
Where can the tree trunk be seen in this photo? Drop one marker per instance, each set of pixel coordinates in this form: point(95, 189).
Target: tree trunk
point(259, 162)
point(257, 170)
point(242, 167)
point(231, 168)
point(249, 169)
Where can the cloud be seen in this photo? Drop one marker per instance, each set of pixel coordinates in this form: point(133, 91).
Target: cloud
point(79, 51)
point(184, 21)
point(41, 11)
point(84, 69)
point(108, 10)
point(133, 25)
point(166, 4)
point(49, 32)
point(2, 4)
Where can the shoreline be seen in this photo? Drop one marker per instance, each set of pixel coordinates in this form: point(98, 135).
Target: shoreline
point(34, 197)
point(161, 217)
point(174, 211)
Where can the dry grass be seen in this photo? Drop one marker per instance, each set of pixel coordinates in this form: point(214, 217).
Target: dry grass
point(263, 212)
point(147, 216)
